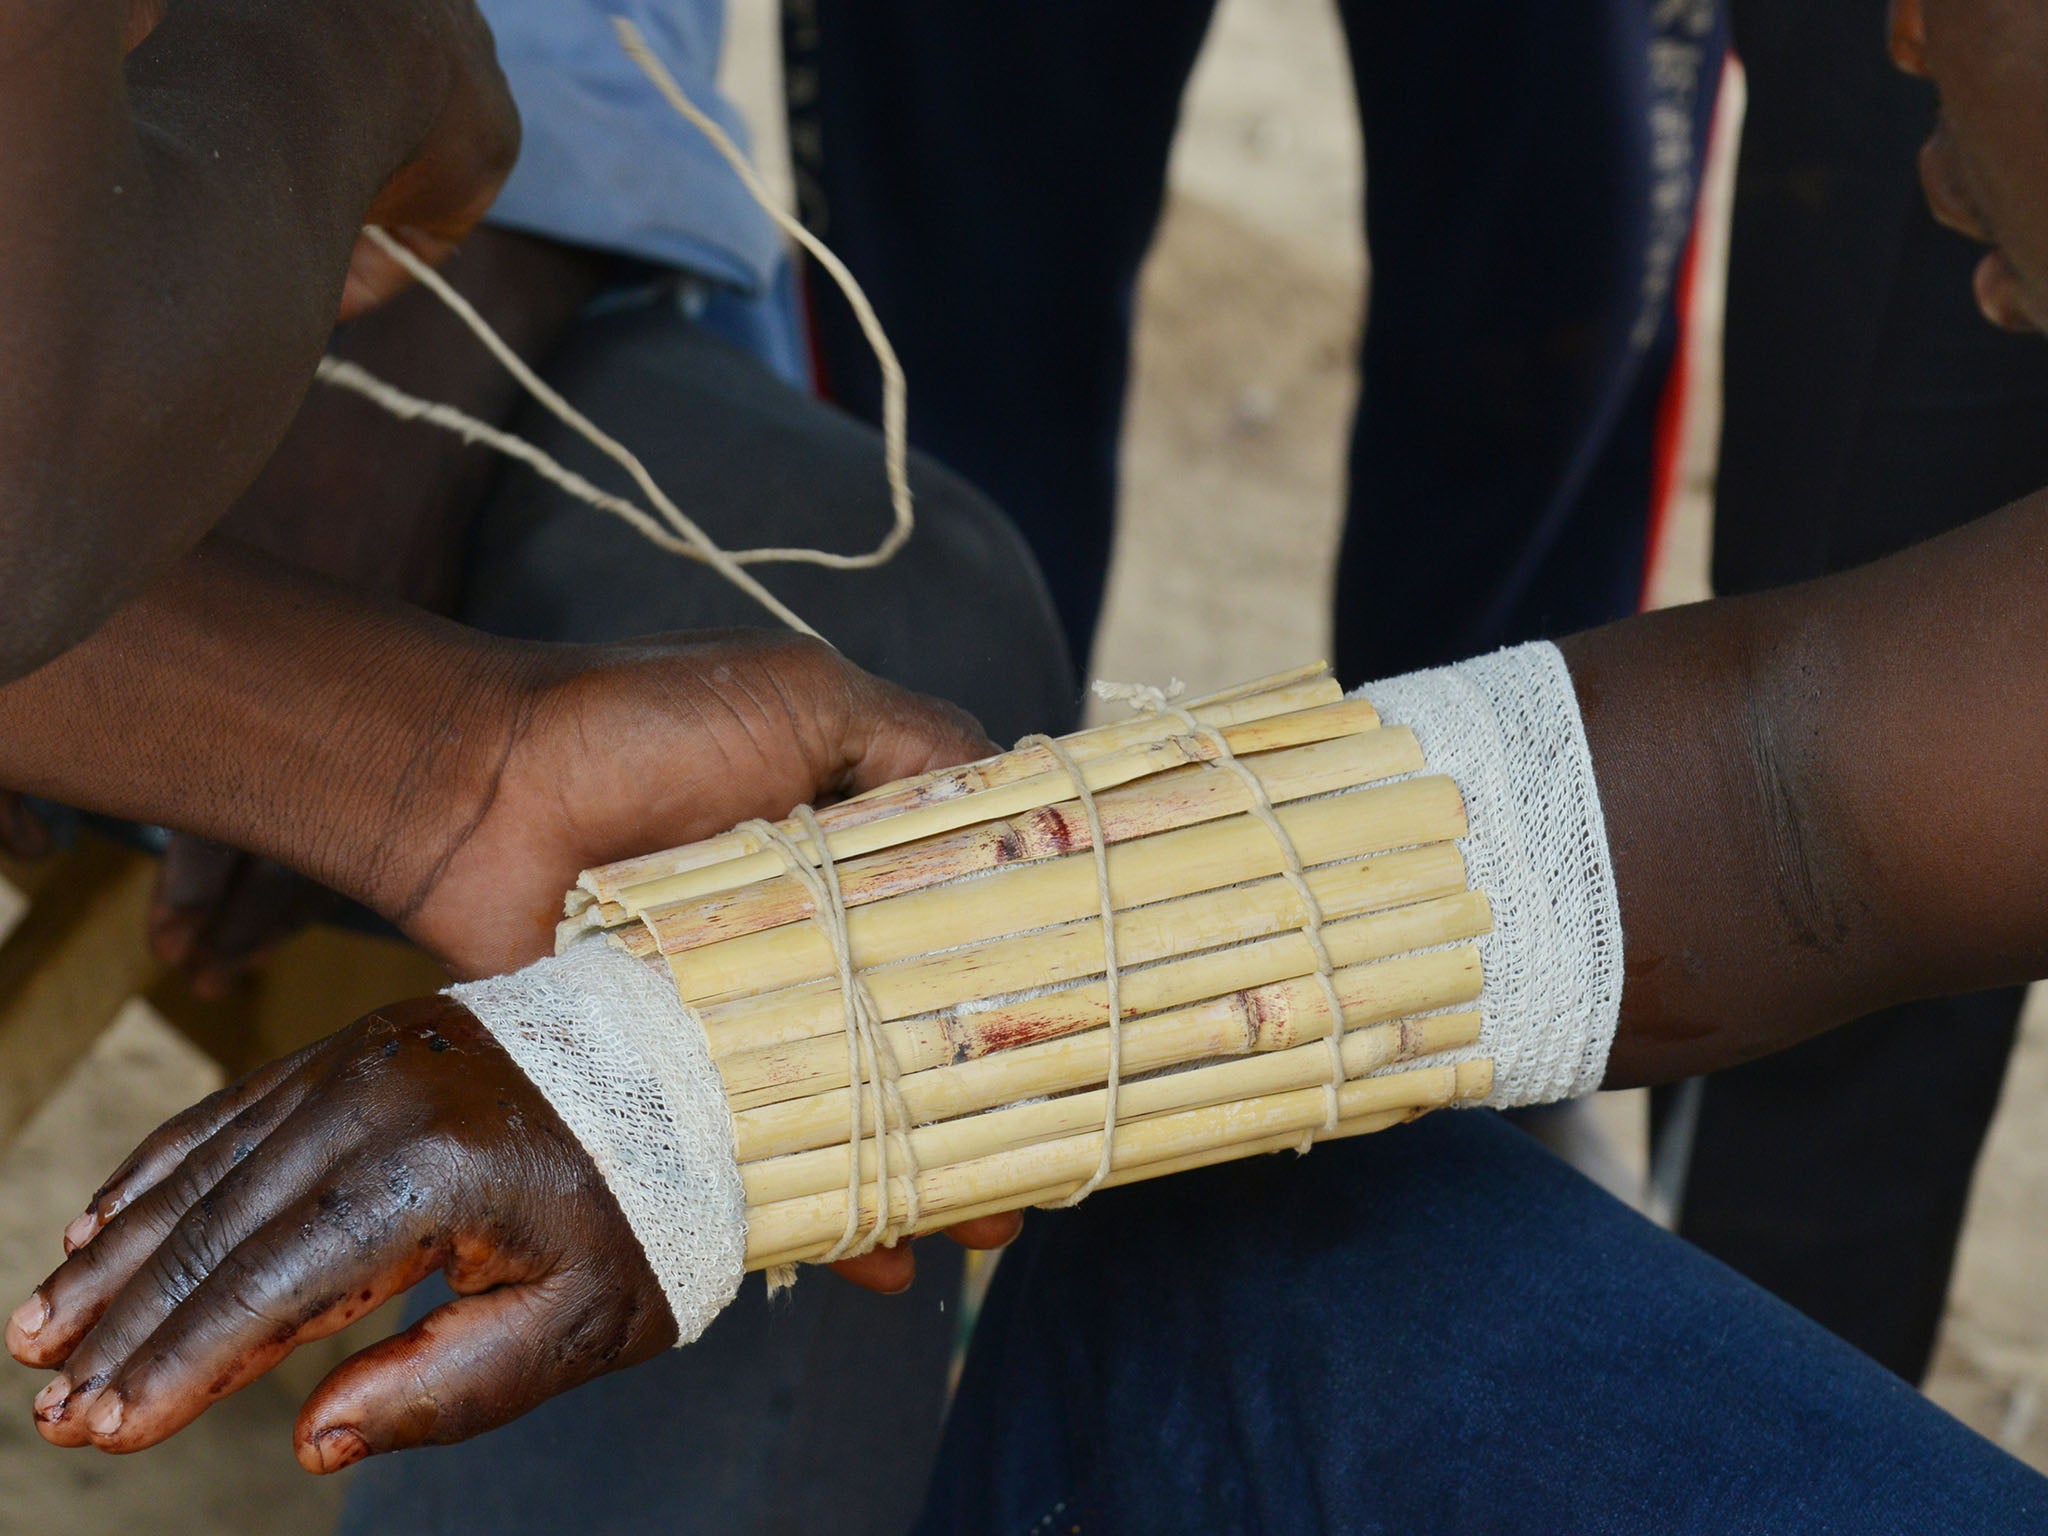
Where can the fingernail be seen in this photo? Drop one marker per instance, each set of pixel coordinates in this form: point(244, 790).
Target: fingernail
point(84, 1226)
point(339, 1447)
point(29, 1317)
point(49, 1403)
point(105, 1419)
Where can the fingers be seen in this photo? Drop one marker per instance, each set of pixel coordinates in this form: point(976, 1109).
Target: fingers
point(1906, 36)
point(191, 885)
point(168, 1145)
point(107, 1299)
point(2001, 295)
point(988, 1231)
point(888, 1270)
point(894, 734)
point(376, 277)
point(212, 1314)
point(472, 1365)
point(217, 911)
point(141, 20)
point(892, 1270)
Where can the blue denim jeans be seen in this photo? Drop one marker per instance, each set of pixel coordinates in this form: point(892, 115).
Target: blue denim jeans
point(1439, 1328)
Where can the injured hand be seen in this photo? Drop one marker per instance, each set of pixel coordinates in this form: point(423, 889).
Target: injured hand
point(284, 1208)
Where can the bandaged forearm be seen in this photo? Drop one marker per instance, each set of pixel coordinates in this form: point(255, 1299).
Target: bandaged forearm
point(1244, 924)
point(1506, 728)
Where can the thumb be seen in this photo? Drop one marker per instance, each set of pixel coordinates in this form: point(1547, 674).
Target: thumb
point(895, 734)
point(470, 1366)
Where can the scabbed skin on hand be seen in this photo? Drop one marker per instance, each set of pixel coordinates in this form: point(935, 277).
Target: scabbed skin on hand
point(282, 1209)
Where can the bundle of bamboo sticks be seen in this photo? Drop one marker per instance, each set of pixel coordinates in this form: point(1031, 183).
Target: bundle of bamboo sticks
point(969, 903)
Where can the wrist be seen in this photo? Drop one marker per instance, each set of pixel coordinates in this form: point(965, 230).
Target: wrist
point(432, 733)
point(238, 700)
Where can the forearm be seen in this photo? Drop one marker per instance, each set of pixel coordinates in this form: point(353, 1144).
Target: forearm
point(382, 505)
point(183, 224)
point(273, 712)
point(1826, 799)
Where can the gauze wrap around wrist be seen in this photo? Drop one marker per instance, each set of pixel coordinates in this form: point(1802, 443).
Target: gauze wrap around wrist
point(624, 1064)
point(1234, 925)
point(1507, 728)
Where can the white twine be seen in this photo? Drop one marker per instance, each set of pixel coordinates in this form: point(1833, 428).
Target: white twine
point(1099, 846)
point(870, 1064)
point(681, 535)
point(1148, 699)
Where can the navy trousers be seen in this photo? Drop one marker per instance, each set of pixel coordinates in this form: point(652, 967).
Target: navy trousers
point(1437, 1328)
point(994, 173)
point(1869, 406)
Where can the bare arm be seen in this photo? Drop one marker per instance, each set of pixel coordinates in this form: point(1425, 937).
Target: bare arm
point(181, 225)
point(1819, 800)
point(384, 507)
point(453, 782)
point(1828, 798)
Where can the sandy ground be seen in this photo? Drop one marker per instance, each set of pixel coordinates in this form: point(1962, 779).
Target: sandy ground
point(1232, 480)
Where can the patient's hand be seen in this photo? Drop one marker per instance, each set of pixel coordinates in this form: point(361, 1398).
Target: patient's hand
point(282, 1209)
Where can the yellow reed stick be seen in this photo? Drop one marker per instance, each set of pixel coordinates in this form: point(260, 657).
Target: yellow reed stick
point(1388, 989)
point(788, 1230)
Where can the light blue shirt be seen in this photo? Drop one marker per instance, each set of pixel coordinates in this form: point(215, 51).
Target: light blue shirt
point(605, 161)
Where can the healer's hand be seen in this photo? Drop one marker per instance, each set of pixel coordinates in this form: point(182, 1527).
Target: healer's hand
point(606, 752)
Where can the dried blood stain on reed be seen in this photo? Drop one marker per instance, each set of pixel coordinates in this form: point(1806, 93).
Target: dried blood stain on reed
point(985, 1039)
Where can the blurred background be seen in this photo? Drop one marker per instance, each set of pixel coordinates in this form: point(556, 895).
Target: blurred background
point(1230, 505)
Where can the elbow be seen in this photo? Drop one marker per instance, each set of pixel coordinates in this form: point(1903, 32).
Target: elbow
point(24, 651)
point(63, 577)
point(47, 620)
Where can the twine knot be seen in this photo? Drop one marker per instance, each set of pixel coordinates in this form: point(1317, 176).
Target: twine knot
point(1146, 698)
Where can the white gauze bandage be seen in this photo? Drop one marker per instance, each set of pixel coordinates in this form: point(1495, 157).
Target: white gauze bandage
point(1506, 727)
point(624, 1063)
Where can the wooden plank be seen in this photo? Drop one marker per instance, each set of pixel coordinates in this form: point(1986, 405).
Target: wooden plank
point(76, 956)
point(316, 983)
point(13, 906)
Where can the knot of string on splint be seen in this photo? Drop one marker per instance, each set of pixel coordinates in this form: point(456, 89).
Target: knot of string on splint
point(1151, 700)
point(668, 527)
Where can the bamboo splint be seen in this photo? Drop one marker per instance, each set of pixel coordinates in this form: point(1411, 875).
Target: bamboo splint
point(1277, 907)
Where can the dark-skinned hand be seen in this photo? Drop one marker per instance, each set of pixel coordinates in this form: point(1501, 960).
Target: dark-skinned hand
point(280, 1210)
point(216, 913)
point(605, 752)
point(383, 506)
point(22, 836)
